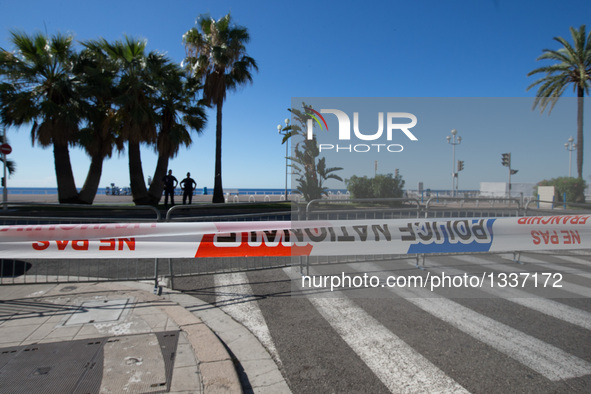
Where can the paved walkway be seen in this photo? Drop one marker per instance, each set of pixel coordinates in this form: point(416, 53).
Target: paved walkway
point(115, 337)
point(102, 199)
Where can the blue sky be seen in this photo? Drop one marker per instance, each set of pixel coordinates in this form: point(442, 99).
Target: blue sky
point(471, 48)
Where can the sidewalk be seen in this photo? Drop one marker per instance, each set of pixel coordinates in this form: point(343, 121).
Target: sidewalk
point(102, 199)
point(120, 337)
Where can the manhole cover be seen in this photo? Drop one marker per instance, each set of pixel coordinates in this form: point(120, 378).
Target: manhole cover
point(132, 363)
point(50, 367)
point(98, 311)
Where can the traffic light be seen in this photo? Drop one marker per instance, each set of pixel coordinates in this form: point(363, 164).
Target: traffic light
point(396, 172)
point(460, 165)
point(506, 159)
point(3, 182)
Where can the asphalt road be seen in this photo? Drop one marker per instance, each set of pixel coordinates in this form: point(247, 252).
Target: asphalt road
point(524, 335)
point(517, 332)
point(492, 339)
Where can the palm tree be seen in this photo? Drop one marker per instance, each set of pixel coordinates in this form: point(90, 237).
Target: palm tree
point(10, 166)
point(572, 67)
point(41, 90)
point(179, 112)
point(311, 171)
point(216, 53)
point(96, 74)
point(135, 101)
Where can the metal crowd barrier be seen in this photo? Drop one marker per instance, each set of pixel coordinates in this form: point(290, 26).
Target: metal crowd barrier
point(362, 208)
point(435, 207)
point(453, 207)
point(202, 213)
point(46, 213)
point(83, 270)
point(199, 213)
point(52, 271)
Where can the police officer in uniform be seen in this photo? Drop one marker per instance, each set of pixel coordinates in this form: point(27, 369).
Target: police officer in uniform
point(188, 185)
point(170, 182)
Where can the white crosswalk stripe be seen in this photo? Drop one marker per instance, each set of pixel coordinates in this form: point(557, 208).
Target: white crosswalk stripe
point(543, 305)
point(574, 259)
point(234, 296)
point(569, 287)
point(396, 364)
point(399, 366)
point(550, 361)
point(558, 267)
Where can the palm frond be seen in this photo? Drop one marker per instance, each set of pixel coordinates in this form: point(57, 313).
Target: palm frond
point(572, 67)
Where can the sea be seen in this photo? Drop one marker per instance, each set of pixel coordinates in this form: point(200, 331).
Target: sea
point(126, 191)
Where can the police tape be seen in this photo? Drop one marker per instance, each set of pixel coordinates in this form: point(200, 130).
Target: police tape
point(295, 238)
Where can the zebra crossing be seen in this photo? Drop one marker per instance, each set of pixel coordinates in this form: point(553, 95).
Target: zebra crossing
point(234, 296)
point(412, 340)
point(543, 305)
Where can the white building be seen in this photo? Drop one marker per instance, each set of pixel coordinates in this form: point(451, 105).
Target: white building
point(501, 189)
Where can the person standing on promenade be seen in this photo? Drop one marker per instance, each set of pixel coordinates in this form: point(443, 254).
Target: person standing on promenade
point(188, 185)
point(170, 182)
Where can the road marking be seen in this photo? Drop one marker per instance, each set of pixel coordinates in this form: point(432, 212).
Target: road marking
point(558, 267)
point(567, 286)
point(574, 259)
point(543, 305)
point(550, 361)
point(400, 368)
point(234, 296)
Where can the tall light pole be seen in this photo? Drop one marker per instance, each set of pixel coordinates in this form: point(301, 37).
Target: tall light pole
point(570, 147)
point(4, 176)
point(453, 140)
point(283, 131)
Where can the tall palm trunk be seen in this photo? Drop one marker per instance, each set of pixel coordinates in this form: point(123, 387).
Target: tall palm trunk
point(66, 187)
point(218, 190)
point(93, 178)
point(156, 186)
point(136, 175)
point(580, 102)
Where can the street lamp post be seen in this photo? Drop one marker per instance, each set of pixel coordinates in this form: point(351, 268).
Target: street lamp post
point(4, 176)
point(453, 140)
point(283, 131)
point(570, 147)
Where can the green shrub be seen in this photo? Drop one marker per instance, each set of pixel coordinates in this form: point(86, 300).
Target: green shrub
point(382, 186)
point(573, 187)
point(359, 187)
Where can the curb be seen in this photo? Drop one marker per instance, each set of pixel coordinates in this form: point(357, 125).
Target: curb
point(216, 339)
point(262, 373)
point(218, 374)
point(215, 364)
